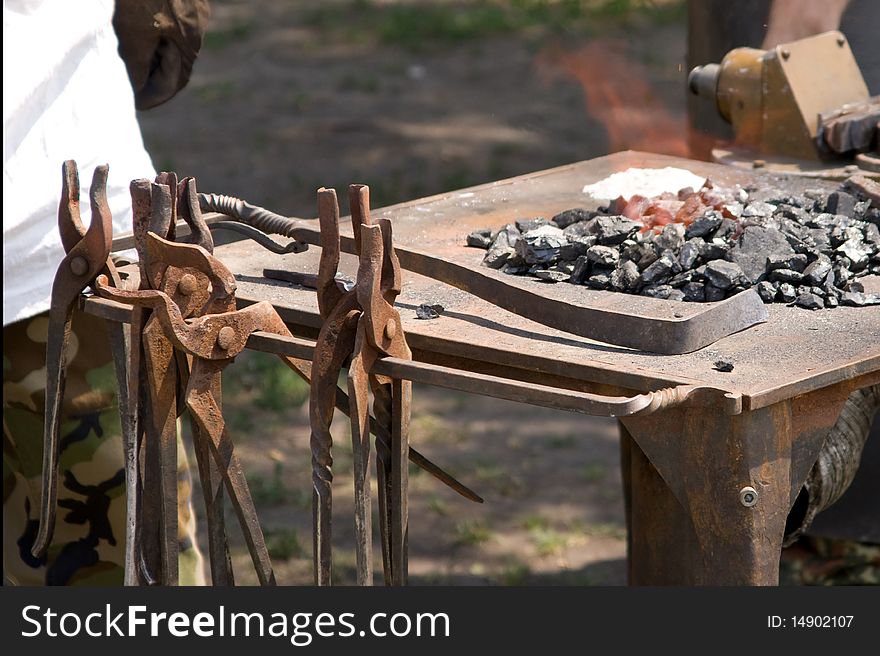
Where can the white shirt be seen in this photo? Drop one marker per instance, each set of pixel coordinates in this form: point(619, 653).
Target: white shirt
point(66, 95)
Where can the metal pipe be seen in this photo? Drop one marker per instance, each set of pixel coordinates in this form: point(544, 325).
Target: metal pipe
point(838, 461)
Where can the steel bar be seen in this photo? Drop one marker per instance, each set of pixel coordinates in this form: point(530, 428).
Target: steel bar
point(201, 399)
point(382, 409)
point(476, 383)
point(358, 394)
point(212, 492)
point(401, 394)
point(380, 332)
point(498, 387)
point(382, 435)
point(362, 358)
point(161, 369)
point(120, 346)
point(335, 341)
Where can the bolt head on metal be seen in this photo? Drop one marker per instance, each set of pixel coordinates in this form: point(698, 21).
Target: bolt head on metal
point(226, 338)
point(79, 266)
point(748, 496)
point(390, 329)
point(187, 284)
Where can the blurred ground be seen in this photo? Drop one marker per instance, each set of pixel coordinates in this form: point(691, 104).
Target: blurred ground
point(415, 98)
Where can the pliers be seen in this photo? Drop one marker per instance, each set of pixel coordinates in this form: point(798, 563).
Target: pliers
point(87, 255)
point(212, 340)
point(350, 319)
point(380, 333)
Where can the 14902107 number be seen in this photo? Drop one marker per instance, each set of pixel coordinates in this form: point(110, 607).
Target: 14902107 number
point(822, 621)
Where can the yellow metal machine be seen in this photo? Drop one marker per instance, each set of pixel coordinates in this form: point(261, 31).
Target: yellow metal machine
point(801, 107)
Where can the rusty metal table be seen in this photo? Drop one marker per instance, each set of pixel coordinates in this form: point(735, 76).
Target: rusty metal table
point(684, 468)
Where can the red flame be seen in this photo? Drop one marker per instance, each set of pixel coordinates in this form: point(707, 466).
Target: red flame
point(618, 94)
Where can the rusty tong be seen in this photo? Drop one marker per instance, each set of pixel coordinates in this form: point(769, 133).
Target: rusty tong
point(211, 340)
point(87, 255)
point(185, 330)
point(361, 324)
point(380, 333)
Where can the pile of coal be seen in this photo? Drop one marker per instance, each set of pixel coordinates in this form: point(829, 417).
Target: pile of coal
point(808, 250)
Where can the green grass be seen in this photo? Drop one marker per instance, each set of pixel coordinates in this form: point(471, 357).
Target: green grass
point(547, 541)
point(218, 39)
point(438, 505)
point(427, 428)
point(472, 533)
point(214, 92)
point(561, 441)
point(600, 530)
point(271, 491)
point(273, 385)
point(515, 573)
point(593, 473)
point(364, 83)
point(417, 25)
point(535, 523)
point(498, 478)
point(284, 544)
point(413, 26)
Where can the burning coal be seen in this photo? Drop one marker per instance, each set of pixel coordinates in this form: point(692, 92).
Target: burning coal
point(704, 245)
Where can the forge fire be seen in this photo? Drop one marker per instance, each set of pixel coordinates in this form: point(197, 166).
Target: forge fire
point(810, 250)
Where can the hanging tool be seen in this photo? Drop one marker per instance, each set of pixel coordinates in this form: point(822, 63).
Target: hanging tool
point(212, 340)
point(348, 331)
point(379, 334)
point(87, 255)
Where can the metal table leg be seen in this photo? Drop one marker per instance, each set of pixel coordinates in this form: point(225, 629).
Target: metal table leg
point(708, 494)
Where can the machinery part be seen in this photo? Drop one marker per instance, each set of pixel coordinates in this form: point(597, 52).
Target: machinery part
point(162, 377)
point(851, 127)
point(869, 161)
point(335, 342)
point(748, 496)
point(837, 464)
point(157, 206)
point(203, 400)
point(773, 98)
point(870, 189)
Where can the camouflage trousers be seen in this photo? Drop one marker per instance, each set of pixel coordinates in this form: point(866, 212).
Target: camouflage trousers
point(88, 544)
point(821, 561)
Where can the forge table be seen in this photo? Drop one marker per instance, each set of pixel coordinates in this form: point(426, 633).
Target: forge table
point(684, 468)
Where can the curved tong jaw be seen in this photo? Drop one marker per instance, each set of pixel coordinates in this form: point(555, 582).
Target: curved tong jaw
point(351, 319)
point(378, 284)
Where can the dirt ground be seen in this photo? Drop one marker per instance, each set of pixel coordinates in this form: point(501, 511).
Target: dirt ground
point(415, 98)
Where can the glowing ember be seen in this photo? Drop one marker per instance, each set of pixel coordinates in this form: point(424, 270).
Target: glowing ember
point(811, 250)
